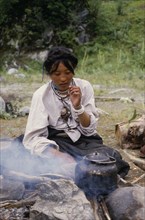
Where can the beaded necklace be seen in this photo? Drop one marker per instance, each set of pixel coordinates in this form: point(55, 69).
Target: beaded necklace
point(62, 96)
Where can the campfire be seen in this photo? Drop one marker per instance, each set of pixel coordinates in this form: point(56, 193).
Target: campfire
point(57, 195)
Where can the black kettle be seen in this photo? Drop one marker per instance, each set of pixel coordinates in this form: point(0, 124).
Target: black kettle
point(96, 175)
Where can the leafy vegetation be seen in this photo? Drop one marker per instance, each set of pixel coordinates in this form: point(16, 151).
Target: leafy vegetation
point(107, 36)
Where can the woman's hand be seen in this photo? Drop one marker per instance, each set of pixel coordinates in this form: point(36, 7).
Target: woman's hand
point(66, 157)
point(75, 96)
point(52, 153)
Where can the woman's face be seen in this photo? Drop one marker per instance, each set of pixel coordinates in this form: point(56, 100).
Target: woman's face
point(62, 77)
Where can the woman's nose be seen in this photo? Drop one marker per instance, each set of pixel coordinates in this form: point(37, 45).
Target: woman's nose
point(63, 79)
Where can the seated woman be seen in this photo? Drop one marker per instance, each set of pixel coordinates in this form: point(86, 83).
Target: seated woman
point(62, 121)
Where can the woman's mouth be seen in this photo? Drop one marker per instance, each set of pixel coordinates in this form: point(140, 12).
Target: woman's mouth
point(64, 84)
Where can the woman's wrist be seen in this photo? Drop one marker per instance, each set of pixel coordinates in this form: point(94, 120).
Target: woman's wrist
point(79, 110)
point(77, 107)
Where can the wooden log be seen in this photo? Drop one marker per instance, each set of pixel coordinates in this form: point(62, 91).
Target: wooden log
point(124, 182)
point(131, 134)
point(55, 176)
point(137, 161)
point(94, 205)
point(13, 175)
point(6, 202)
point(139, 178)
point(18, 204)
point(110, 99)
point(133, 157)
point(105, 210)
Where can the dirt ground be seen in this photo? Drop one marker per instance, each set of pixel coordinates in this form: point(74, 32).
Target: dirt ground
point(117, 107)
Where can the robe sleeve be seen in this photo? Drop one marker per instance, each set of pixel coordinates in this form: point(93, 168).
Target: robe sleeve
point(36, 133)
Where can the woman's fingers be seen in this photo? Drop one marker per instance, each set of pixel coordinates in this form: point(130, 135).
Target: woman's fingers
point(74, 90)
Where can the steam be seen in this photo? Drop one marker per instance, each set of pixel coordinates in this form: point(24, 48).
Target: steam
point(15, 157)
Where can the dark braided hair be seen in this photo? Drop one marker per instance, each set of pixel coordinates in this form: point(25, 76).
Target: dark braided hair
point(55, 56)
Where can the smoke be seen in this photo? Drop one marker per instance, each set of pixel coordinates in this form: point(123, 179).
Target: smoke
point(15, 157)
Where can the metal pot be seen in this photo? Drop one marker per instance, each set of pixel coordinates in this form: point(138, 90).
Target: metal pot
point(96, 174)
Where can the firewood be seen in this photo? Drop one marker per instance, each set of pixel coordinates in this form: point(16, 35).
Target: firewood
point(133, 157)
point(103, 98)
point(6, 202)
point(18, 204)
point(105, 210)
point(14, 175)
point(139, 178)
point(95, 207)
point(55, 176)
point(131, 134)
point(124, 182)
point(137, 161)
point(139, 164)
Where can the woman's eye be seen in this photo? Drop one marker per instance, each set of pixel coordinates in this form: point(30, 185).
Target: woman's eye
point(67, 72)
point(57, 73)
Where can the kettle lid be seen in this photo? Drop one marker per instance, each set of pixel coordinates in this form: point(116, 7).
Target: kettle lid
point(99, 158)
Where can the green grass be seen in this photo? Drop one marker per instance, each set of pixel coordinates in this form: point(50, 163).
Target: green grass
point(115, 67)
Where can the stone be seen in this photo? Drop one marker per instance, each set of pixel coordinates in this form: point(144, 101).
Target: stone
point(127, 203)
point(11, 190)
point(126, 100)
point(39, 56)
point(20, 75)
point(12, 71)
point(24, 111)
point(61, 200)
point(2, 105)
point(42, 55)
